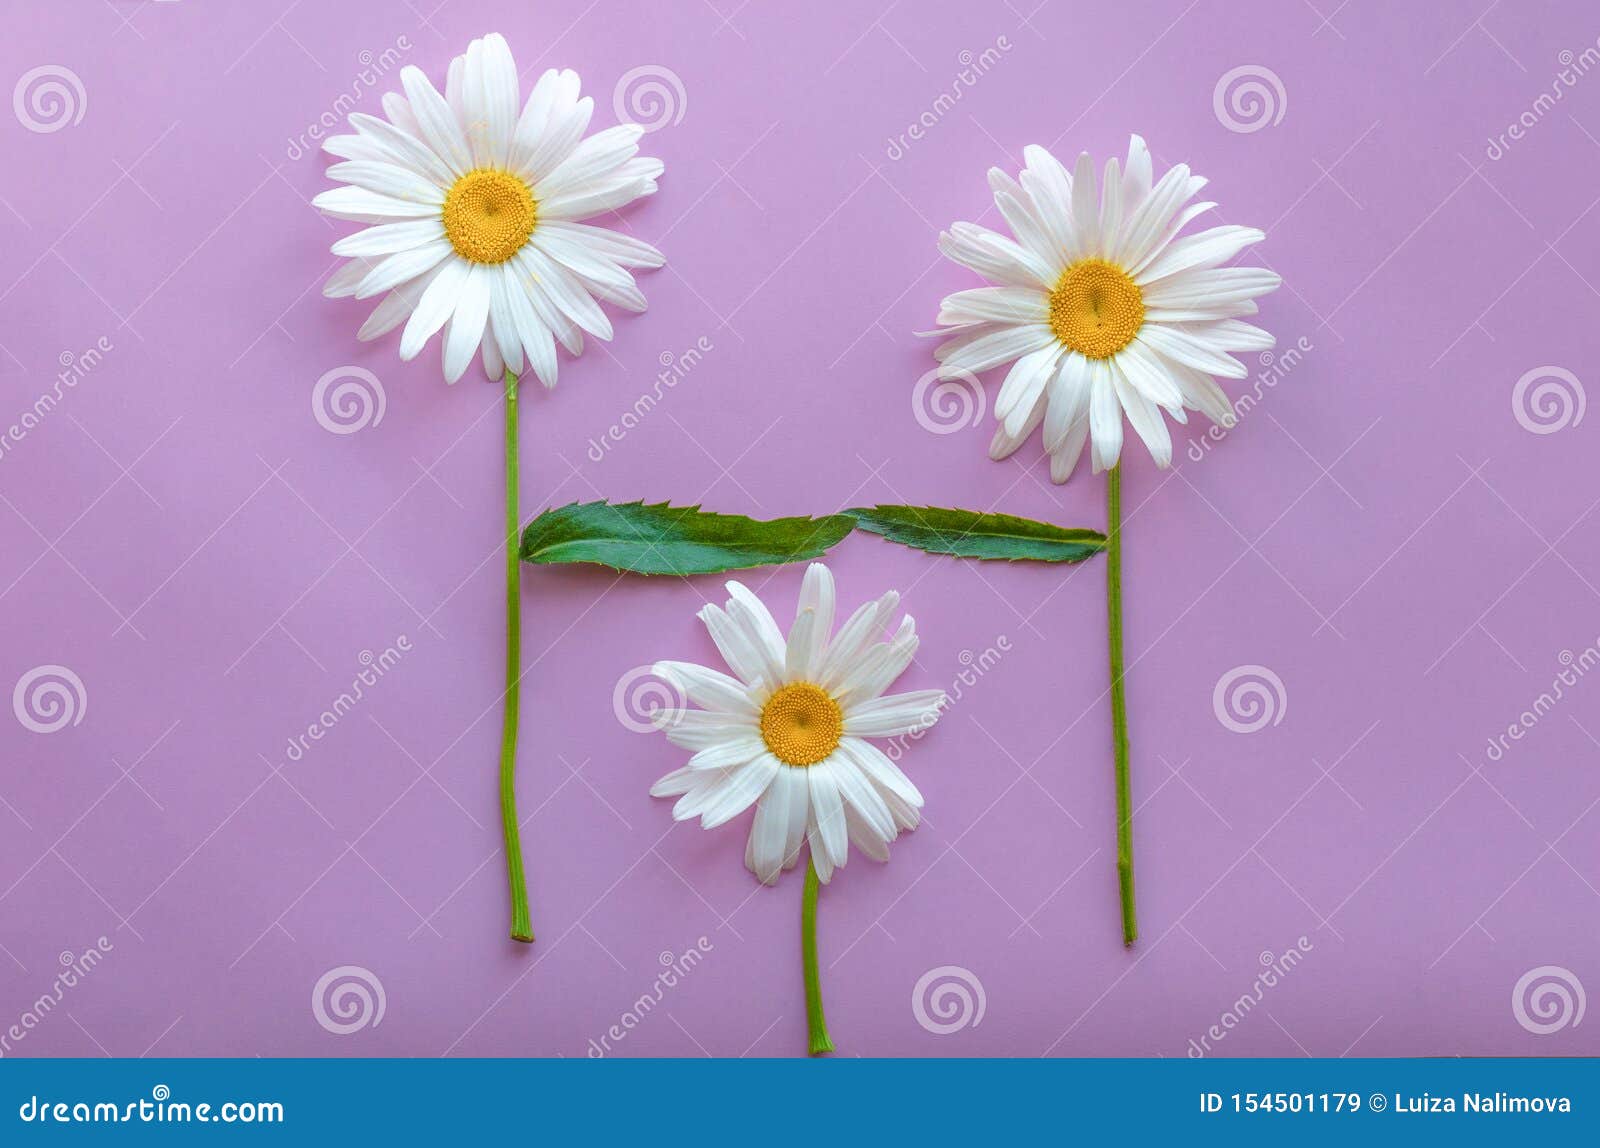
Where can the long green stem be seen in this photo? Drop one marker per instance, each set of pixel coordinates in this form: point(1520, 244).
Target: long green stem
point(521, 928)
point(1119, 703)
point(816, 1022)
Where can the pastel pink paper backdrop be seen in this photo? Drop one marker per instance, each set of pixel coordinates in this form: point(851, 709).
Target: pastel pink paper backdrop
point(1382, 532)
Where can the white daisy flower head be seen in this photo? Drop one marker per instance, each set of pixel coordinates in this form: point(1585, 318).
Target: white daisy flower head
point(1103, 307)
point(476, 201)
point(788, 731)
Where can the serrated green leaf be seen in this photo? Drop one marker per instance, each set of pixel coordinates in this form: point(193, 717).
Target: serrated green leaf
point(660, 539)
point(969, 534)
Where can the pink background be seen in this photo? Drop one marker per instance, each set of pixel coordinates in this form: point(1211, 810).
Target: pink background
point(1382, 532)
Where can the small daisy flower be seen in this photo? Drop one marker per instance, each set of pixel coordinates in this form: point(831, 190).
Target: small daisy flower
point(1103, 308)
point(476, 202)
point(788, 731)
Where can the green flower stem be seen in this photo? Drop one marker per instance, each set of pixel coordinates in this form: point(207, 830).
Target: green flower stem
point(521, 928)
point(816, 1022)
point(1119, 703)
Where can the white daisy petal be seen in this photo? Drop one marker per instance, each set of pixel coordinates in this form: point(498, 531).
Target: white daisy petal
point(359, 205)
point(1105, 418)
point(503, 325)
point(1146, 227)
point(1086, 205)
point(860, 795)
point(797, 650)
point(403, 148)
point(677, 783)
point(769, 833)
point(394, 309)
point(1004, 444)
point(894, 714)
point(853, 637)
point(752, 615)
point(818, 596)
point(1025, 383)
point(434, 308)
point(567, 120)
point(563, 290)
point(999, 346)
point(994, 256)
point(1050, 187)
point(1149, 374)
point(494, 363)
point(343, 282)
point(706, 687)
point(1145, 417)
point(1177, 344)
point(390, 238)
point(437, 123)
point(596, 156)
point(1068, 398)
point(403, 267)
point(699, 729)
point(827, 827)
point(882, 772)
point(1203, 250)
point(461, 341)
point(389, 179)
point(995, 305)
point(729, 754)
point(735, 646)
point(1212, 287)
point(623, 250)
point(1137, 175)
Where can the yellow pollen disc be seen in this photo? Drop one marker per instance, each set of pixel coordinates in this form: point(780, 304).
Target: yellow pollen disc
point(801, 724)
point(488, 215)
point(1096, 308)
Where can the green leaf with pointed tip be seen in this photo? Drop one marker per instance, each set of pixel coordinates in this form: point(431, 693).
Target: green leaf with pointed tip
point(970, 534)
point(660, 539)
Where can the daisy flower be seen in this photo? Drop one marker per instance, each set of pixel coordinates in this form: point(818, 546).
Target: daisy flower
point(1104, 308)
point(788, 731)
point(476, 202)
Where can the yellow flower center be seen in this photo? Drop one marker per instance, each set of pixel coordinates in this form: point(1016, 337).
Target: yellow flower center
point(488, 215)
point(801, 724)
point(1096, 308)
